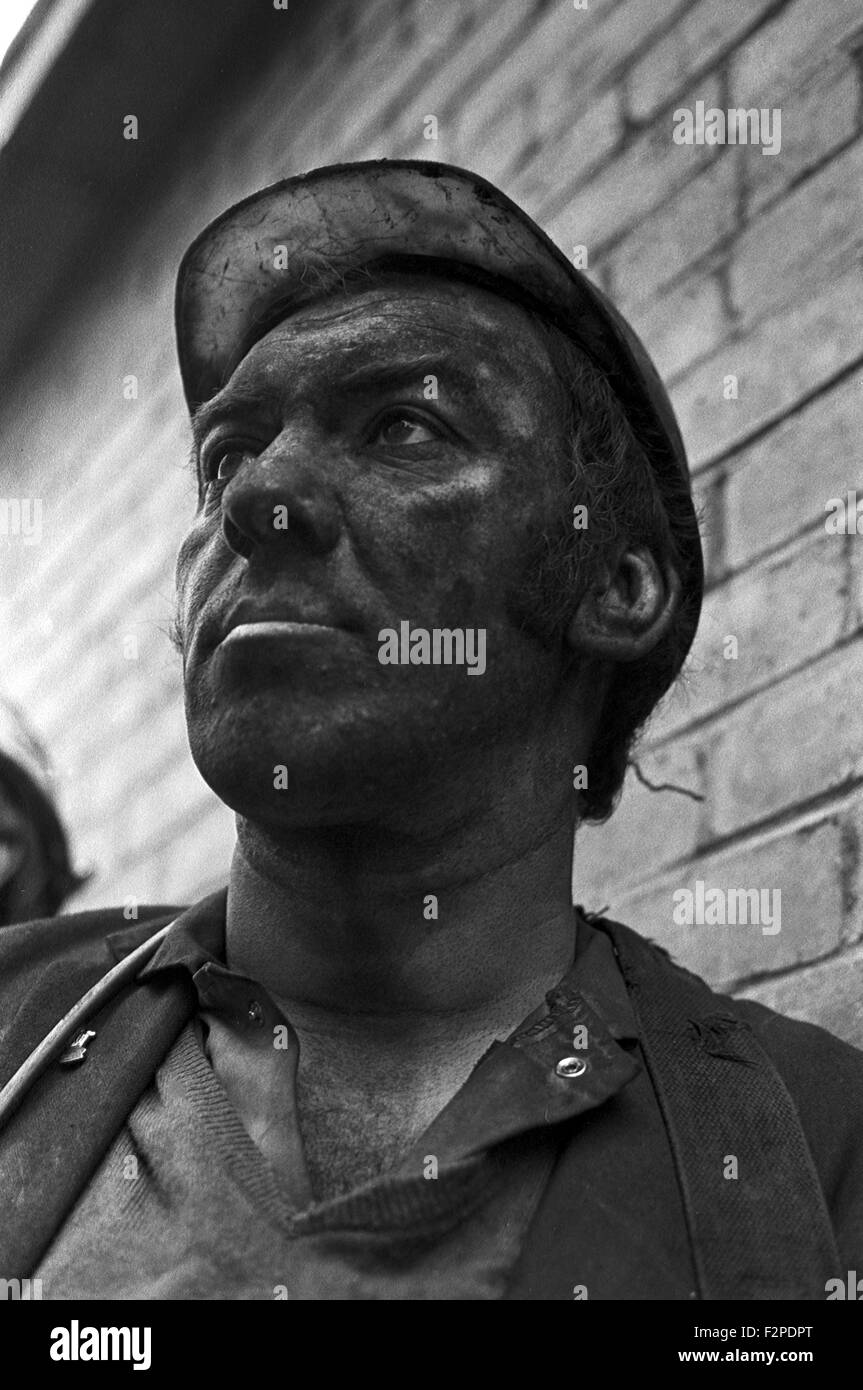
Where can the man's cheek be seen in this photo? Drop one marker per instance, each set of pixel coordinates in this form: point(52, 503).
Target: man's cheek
point(463, 527)
point(191, 546)
point(201, 561)
point(462, 598)
point(444, 508)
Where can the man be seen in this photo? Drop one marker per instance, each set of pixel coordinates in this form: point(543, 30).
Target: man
point(444, 564)
point(36, 875)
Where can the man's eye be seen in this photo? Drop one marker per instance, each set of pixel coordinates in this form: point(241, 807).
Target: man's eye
point(224, 464)
point(399, 430)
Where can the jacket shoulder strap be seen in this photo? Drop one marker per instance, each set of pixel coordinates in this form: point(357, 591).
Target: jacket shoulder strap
point(55, 1140)
point(759, 1228)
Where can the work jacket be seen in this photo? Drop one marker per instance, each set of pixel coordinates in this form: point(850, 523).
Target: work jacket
point(731, 1078)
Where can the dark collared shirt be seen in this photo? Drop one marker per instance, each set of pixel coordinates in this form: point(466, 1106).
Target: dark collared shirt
point(187, 1204)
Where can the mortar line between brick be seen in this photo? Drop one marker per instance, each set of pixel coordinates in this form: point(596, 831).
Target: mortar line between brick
point(717, 63)
point(732, 573)
point(736, 336)
point(744, 222)
point(849, 865)
point(618, 79)
point(702, 720)
point(803, 815)
point(432, 67)
point(791, 971)
point(760, 431)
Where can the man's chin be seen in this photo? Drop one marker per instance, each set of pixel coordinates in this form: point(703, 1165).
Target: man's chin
point(305, 801)
point(316, 770)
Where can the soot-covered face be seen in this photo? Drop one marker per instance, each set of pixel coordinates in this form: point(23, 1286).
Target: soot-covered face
point(377, 479)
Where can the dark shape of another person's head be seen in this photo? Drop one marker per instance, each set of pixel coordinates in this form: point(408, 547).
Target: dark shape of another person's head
point(444, 458)
point(36, 876)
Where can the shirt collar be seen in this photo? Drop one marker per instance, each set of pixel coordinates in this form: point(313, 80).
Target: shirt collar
point(596, 975)
point(197, 937)
point(565, 1059)
point(521, 1083)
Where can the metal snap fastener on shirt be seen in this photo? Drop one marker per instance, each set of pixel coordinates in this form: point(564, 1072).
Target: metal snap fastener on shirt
point(256, 1013)
point(571, 1066)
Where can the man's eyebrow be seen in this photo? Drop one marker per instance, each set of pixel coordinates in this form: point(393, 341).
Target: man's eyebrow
point(222, 404)
point(386, 372)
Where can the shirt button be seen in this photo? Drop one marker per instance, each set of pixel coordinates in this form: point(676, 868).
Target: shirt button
point(571, 1066)
point(256, 1013)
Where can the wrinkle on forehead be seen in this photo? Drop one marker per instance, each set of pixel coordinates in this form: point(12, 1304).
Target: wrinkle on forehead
point(489, 339)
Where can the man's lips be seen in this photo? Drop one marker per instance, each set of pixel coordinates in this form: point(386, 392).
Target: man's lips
point(250, 619)
point(273, 631)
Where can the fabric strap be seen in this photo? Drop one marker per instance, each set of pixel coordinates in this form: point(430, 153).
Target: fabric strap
point(763, 1233)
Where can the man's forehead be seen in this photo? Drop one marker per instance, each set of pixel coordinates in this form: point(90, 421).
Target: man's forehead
point(407, 325)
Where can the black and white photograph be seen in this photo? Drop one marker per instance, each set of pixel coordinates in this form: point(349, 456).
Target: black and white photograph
point(431, 616)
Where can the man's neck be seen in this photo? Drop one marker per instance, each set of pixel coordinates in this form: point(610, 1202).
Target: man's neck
point(397, 969)
point(351, 925)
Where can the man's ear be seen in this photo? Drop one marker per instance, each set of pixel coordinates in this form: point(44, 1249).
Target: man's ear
point(631, 608)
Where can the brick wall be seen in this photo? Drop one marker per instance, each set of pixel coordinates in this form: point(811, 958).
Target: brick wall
point(729, 262)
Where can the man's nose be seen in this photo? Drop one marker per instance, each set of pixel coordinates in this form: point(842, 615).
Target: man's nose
point(281, 497)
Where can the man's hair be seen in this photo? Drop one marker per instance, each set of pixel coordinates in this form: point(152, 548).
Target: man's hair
point(609, 472)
